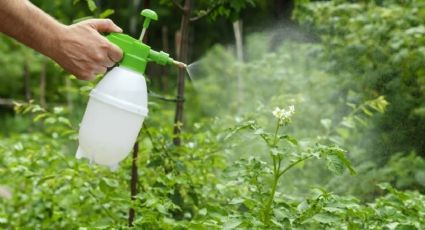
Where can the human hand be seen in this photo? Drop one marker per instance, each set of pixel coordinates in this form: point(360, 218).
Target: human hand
point(83, 51)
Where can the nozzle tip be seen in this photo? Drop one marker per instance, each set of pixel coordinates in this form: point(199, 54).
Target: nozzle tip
point(180, 64)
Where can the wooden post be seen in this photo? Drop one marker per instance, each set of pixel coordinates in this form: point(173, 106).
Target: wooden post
point(133, 182)
point(182, 56)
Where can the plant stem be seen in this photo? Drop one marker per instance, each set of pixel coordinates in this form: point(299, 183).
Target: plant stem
point(267, 208)
point(276, 176)
point(293, 164)
point(275, 133)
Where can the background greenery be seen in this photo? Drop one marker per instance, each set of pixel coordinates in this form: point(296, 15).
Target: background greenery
point(353, 69)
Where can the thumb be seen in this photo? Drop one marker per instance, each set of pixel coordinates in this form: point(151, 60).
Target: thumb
point(104, 25)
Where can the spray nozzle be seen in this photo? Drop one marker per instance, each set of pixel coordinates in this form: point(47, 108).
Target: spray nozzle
point(163, 58)
point(180, 64)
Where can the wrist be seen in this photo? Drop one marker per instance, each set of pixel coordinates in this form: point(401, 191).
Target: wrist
point(55, 40)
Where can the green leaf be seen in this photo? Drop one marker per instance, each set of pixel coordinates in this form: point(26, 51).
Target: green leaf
point(37, 108)
point(46, 178)
point(341, 156)
point(106, 185)
point(360, 120)
point(231, 224)
point(290, 139)
point(237, 200)
point(234, 130)
point(420, 177)
point(348, 122)
point(110, 182)
point(203, 212)
point(92, 5)
point(58, 110)
point(65, 121)
point(106, 13)
point(335, 164)
point(50, 120)
point(367, 112)
point(336, 159)
point(277, 152)
point(19, 146)
point(326, 218)
point(40, 116)
point(384, 186)
point(326, 123)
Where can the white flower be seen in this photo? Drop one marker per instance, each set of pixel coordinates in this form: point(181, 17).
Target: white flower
point(292, 109)
point(284, 115)
point(276, 112)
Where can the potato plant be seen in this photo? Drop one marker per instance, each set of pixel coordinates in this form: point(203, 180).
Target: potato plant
point(189, 187)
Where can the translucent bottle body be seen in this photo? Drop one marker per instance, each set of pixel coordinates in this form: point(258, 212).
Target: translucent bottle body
point(113, 117)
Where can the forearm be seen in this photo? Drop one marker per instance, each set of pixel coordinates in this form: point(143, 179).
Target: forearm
point(79, 48)
point(28, 24)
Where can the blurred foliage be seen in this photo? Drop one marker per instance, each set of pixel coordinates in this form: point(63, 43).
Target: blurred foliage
point(379, 47)
point(349, 158)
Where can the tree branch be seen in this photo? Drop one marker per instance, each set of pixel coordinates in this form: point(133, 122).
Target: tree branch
point(162, 98)
point(6, 102)
point(178, 5)
point(206, 13)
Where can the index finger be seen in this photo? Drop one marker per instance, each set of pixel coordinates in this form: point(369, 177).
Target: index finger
point(115, 53)
point(104, 25)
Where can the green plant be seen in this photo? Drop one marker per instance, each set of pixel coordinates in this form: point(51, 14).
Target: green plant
point(284, 155)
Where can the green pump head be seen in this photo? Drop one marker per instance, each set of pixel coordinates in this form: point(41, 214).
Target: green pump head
point(149, 14)
point(136, 54)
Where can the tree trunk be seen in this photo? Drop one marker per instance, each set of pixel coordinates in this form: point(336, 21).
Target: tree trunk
point(283, 9)
point(68, 86)
point(133, 25)
point(237, 29)
point(165, 47)
point(177, 42)
point(27, 82)
point(184, 28)
point(6, 102)
point(43, 84)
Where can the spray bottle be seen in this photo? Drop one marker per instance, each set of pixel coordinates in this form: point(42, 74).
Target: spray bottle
point(118, 104)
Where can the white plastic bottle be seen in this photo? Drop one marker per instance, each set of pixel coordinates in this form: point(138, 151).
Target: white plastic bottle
point(118, 104)
point(113, 118)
